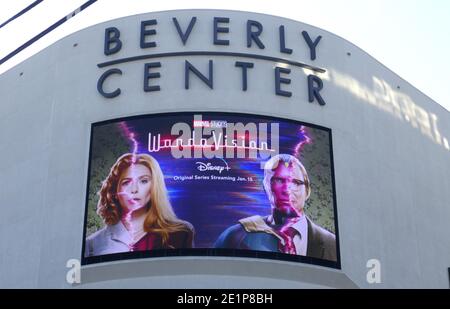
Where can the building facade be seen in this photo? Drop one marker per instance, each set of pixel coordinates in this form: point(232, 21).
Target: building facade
point(389, 152)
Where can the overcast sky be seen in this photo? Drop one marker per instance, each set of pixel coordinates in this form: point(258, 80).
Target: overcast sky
point(410, 37)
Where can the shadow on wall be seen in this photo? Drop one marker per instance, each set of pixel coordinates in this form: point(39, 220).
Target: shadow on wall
point(394, 102)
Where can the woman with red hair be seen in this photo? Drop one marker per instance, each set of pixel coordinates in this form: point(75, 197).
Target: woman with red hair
point(136, 211)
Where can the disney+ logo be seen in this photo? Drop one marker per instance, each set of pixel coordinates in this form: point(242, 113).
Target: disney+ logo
point(205, 167)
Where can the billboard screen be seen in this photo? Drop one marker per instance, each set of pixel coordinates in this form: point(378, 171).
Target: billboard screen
point(210, 183)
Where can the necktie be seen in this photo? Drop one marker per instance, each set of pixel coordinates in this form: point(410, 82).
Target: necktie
point(287, 233)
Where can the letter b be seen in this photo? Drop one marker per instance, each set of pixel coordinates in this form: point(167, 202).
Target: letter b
point(112, 42)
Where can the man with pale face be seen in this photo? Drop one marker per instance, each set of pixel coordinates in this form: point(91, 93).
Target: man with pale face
point(287, 186)
point(288, 229)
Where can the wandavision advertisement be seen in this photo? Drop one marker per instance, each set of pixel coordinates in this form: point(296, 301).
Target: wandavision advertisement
point(208, 183)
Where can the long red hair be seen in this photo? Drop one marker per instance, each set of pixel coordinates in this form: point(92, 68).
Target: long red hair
point(160, 217)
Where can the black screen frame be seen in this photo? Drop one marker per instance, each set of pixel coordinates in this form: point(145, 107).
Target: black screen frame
point(213, 252)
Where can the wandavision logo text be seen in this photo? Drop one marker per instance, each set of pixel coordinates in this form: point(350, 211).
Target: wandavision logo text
point(234, 140)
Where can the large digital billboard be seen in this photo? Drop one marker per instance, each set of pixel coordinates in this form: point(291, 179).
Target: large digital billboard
point(210, 183)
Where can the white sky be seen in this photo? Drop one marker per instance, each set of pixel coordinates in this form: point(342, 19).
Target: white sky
point(411, 37)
